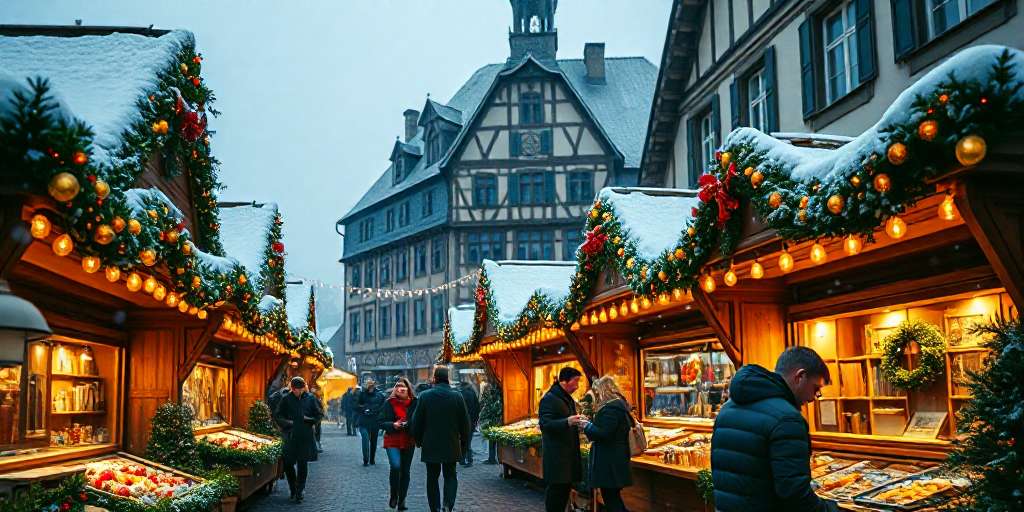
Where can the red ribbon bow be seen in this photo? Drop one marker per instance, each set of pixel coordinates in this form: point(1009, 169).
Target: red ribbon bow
point(713, 190)
point(595, 242)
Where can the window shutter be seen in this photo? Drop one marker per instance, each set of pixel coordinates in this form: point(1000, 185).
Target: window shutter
point(545, 142)
point(771, 96)
point(903, 27)
point(734, 104)
point(866, 40)
point(807, 68)
point(513, 143)
point(549, 186)
point(693, 153)
point(513, 189)
point(474, 195)
point(716, 119)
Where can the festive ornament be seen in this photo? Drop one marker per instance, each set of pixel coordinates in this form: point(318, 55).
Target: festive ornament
point(804, 201)
point(818, 254)
point(756, 179)
point(629, 263)
point(160, 292)
point(172, 236)
point(692, 231)
point(947, 209)
point(40, 226)
point(594, 243)
point(785, 261)
point(112, 274)
point(149, 285)
point(943, 98)
point(102, 189)
point(678, 253)
point(707, 283)
point(134, 282)
point(756, 270)
point(748, 171)
point(186, 249)
point(64, 186)
point(90, 264)
point(836, 204)
point(183, 307)
point(927, 130)
point(148, 257)
point(104, 234)
point(79, 158)
point(714, 191)
point(882, 183)
point(196, 282)
point(662, 276)
point(852, 245)
point(726, 158)
point(971, 150)
point(594, 213)
point(241, 279)
point(730, 277)
point(775, 200)
point(802, 215)
point(855, 181)
point(118, 224)
point(202, 314)
point(63, 245)
point(172, 299)
point(278, 247)
point(134, 226)
point(930, 364)
point(897, 153)
point(895, 227)
point(621, 252)
point(193, 310)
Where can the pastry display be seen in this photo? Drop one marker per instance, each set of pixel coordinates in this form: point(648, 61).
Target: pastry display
point(825, 464)
point(693, 450)
point(916, 491)
point(657, 436)
point(129, 479)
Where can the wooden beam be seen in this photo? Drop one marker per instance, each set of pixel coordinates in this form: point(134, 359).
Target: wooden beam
point(581, 355)
point(193, 353)
point(707, 307)
point(993, 209)
point(520, 364)
point(242, 364)
point(492, 371)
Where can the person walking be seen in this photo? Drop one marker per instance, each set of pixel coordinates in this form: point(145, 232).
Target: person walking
point(348, 408)
point(296, 414)
point(473, 406)
point(368, 406)
point(760, 445)
point(609, 450)
point(560, 439)
point(440, 425)
point(318, 426)
point(398, 443)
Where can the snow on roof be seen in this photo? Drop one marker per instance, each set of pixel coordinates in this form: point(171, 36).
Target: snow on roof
point(810, 163)
point(513, 283)
point(652, 218)
point(297, 304)
point(218, 264)
point(460, 322)
point(98, 78)
point(136, 199)
point(268, 303)
point(245, 231)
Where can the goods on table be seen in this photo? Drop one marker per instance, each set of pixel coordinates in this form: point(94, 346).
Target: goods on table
point(693, 450)
point(657, 436)
point(521, 433)
point(824, 464)
point(846, 483)
point(129, 479)
point(928, 488)
point(236, 439)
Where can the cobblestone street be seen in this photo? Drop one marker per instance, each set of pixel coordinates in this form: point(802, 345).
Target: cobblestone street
point(338, 481)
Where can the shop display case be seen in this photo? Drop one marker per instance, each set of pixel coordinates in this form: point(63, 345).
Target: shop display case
point(544, 375)
point(207, 391)
point(688, 381)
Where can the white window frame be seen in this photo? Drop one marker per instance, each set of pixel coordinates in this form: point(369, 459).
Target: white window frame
point(707, 141)
point(848, 42)
point(760, 120)
point(963, 11)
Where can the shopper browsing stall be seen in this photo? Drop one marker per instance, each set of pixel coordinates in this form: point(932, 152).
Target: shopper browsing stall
point(609, 454)
point(296, 414)
point(561, 441)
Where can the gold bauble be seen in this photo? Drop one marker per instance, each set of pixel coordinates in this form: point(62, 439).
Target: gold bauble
point(620, 252)
point(594, 214)
point(748, 171)
point(64, 186)
point(183, 307)
point(63, 245)
point(617, 240)
point(629, 263)
point(726, 158)
point(118, 224)
point(662, 275)
point(241, 279)
point(134, 226)
point(104, 234)
point(927, 130)
point(804, 201)
point(606, 216)
point(971, 149)
point(897, 153)
point(691, 231)
point(756, 179)
point(196, 282)
point(148, 257)
point(836, 204)
point(187, 248)
point(882, 182)
point(855, 181)
point(802, 215)
point(102, 189)
point(679, 254)
point(160, 292)
point(775, 200)
point(172, 236)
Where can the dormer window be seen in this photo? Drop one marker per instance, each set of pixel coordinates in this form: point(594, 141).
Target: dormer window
point(399, 169)
point(531, 108)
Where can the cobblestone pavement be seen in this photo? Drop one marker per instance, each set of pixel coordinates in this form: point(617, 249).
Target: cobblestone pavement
point(339, 482)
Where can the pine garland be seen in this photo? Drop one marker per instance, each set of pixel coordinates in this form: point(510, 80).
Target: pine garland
point(212, 454)
point(172, 441)
point(518, 440)
point(706, 486)
point(260, 419)
point(68, 496)
point(491, 408)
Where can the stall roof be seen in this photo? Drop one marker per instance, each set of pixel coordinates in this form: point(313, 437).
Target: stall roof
point(460, 321)
point(514, 283)
point(245, 232)
point(652, 218)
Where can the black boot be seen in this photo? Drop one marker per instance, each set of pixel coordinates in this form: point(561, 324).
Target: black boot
point(401, 506)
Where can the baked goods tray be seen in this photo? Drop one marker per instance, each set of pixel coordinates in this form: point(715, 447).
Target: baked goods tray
point(928, 488)
point(844, 484)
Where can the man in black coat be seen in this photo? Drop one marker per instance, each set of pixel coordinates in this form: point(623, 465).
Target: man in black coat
point(348, 409)
point(296, 414)
point(441, 427)
point(560, 439)
point(473, 406)
point(368, 404)
point(761, 447)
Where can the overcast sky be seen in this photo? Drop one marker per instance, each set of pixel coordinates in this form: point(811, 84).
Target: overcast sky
point(312, 92)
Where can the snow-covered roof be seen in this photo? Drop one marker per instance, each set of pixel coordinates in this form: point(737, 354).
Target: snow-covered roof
point(652, 218)
point(460, 323)
point(514, 283)
point(245, 232)
point(817, 164)
point(98, 79)
point(136, 199)
point(297, 304)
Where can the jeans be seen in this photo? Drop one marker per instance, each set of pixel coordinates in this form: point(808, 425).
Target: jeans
point(613, 500)
point(556, 497)
point(369, 436)
point(296, 482)
point(400, 461)
point(451, 485)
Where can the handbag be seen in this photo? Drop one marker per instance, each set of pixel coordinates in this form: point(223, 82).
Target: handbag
point(637, 437)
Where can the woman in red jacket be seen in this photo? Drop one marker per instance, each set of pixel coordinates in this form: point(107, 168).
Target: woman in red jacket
point(398, 442)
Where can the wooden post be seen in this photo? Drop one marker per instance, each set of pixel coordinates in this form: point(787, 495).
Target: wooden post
point(707, 307)
point(992, 206)
point(581, 355)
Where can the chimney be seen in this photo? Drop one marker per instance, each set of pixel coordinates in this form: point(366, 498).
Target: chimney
point(411, 117)
point(593, 57)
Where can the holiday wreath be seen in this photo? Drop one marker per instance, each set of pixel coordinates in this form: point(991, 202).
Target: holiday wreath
point(933, 347)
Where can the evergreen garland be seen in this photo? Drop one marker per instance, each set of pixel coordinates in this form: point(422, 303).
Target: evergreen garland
point(68, 496)
point(505, 437)
point(992, 423)
point(261, 419)
point(706, 486)
point(172, 441)
point(211, 454)
point(492, 410)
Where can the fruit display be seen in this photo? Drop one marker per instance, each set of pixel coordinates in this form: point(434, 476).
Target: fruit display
point(129, 479)
point(921, 490)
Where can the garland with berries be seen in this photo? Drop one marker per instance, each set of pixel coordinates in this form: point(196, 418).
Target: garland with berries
point(212, 454)
point(68, 496)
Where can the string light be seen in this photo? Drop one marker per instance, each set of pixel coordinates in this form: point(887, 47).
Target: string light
point(112, 273)
point(183, 307)
point(785, 261)
point(172, 299)
point(756, 270)
point(602, 316)
point(613, 312)
point(663, 299)
point(645, 303)
point(134, 282)
point(852, 245)
point(149, 285)
point(678, 294)
point(63, 245)
point(40, 226)
point(730, 278)
point(895, 227)
point(634, 306)
point(947, 209)
point(818, 254)
point(90, 264)
point(202, 314)
point(707, 283)
point(160, 292)
point(623, 309)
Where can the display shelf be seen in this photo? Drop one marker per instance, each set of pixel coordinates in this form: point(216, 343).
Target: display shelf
point(75, 376)
point(961, 397)
point(965, 350)
point(890, 398)
point(76, 413)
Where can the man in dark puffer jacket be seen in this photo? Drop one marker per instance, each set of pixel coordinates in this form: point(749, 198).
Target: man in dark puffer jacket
point(761, 447)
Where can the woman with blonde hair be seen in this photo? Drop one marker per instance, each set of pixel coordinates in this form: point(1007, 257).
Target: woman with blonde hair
point(609, 433)
point(398, 442)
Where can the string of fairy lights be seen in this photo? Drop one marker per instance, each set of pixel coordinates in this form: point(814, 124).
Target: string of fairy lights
point(388, 293)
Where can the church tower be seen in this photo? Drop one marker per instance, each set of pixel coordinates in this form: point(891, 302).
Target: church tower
point(533, 30)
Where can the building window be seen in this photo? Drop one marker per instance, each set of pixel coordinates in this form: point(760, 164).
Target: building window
point(402, 265)
point(385, 322)
point(428, 203)
point(754, 100)
point(356, 275)
point(401, 318)
point(757, 102)
point(531, 108)
point(437, 255)
point(535, 245)
point(366, 230)
point(398, 175)
point(354, 326)
point(485, 191)
point(419, 316)
point(403, 214)
point(841, 73)
point(368, 325)
point(421, 259)
point(436, 313)
point(370, 277)
point(531, 188)
point(945, 14)
point(385, 271)
point(389, 220)
point(580, 186)
point(837, 53)
point(708, 137)
point(570, 242)
point(703, 130)
point(484, 245)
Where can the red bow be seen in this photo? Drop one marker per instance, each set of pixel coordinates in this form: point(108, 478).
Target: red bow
point(193, 126)
point(595, 242)
point(713, 190)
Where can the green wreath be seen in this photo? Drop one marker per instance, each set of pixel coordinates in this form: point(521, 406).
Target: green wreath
point(933, 347)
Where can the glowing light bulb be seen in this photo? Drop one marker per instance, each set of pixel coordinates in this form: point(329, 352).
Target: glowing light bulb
point(193, 311)
point(134, 282)
point(613, 313)
point(160, 292)
point(678, 294)
point(895, 227)
point(707, 283)
point(663, 299)
point(634, 306)
point(584, 319)
point(730, 278)
point(602, 316)
point(818, 254)
point(947, 210)
point(149, 285)
point(40, 226)
point(183, 307)
point(575, 326)
point(756, 270)
point(91, 264)
point(593, 318)
point(785, 261)
point(112, 273)
point(852, 245)
point(63, 245)
point(172, 299)
point(623, 309)
point(645, 303)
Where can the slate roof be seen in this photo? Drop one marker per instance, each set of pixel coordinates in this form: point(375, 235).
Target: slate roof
point(621, 108)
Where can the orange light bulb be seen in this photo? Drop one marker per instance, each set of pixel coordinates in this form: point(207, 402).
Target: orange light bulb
point(730, 278)
point(785, 261)
point(852, 245)
point(818, 254)
point(40, 226)
point(112, 273)
point(63, 245)
point(756, 271)
point(947, 210)
point(895, 227)
point(134, 282)
point(149, 285)
point(91, 264)
point(707, 283)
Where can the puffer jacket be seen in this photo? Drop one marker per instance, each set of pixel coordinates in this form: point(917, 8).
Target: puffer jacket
point(761, 448)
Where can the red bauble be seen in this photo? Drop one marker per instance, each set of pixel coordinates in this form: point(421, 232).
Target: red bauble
point(278, 247)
